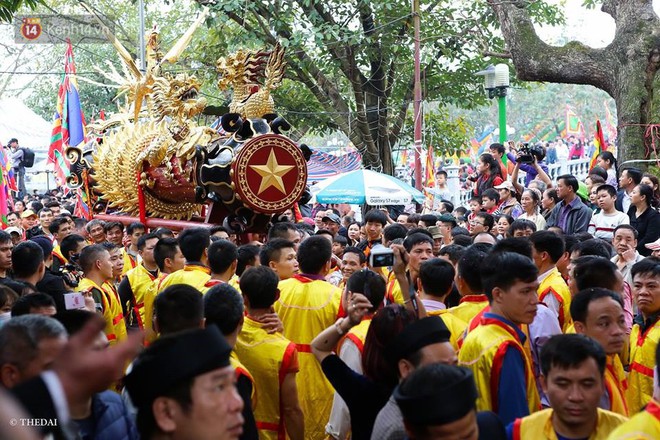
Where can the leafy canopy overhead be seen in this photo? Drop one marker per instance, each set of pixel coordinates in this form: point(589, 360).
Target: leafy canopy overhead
point(350, 63)
point(9, 7)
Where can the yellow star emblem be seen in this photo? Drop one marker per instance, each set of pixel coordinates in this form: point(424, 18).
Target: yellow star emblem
point(271, 173)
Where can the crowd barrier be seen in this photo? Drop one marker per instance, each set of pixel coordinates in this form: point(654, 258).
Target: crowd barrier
point(578, 168)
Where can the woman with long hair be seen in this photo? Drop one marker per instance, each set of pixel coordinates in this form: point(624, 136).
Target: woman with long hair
point(354, 233)
point(607, 161)
point(652, 181)
point(364, 394)
point(643, 217)
point(489, 174)
point(530, 202)
point(548, 202)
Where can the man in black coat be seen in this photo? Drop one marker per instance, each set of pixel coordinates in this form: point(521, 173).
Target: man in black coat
point(52, 283)
point(78, 372)
point(629, 179)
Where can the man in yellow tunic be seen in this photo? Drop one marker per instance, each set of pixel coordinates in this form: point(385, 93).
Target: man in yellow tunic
point(271, 358)
point(547, 249)
point(130, 253)
point(644, 425)
point(468, 283)
point(224, 308)
point(194, 243)
point(223, 259)
point(97, 267)
point(435, 282)
point(280, 255)
point(494, 349)
point(645, 332)
point(598, 313)
point(307, 305)
point(138, 280)
point(573, 367)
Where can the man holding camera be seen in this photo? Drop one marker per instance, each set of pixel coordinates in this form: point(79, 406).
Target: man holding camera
point(530, 158)
point(420, 248)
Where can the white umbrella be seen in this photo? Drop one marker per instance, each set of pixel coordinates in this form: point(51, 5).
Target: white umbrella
point(365, 186)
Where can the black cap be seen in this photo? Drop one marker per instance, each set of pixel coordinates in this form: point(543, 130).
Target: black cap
point(173, 359)
point(417, 335)
point(45, 244)
point(450, 396)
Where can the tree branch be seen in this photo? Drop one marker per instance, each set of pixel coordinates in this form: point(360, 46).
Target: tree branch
point(535, 60)
point(503, 55)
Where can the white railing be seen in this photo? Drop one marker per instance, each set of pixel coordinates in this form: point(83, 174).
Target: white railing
point(578, 168)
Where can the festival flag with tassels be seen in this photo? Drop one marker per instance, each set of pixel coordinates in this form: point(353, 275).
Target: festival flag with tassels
point(404, 158)
point(599, 145)
point(82, 207)
point(69, 121)
point(7, 172)
point(4, 209)
point(574, 125)
point(429, 178)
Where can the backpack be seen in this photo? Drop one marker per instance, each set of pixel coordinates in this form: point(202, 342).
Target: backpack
point(28, 157)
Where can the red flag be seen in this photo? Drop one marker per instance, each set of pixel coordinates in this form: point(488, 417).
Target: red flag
point(600, 145)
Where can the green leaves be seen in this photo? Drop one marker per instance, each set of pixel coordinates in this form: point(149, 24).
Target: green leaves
point(9, 7)
point(447, 134)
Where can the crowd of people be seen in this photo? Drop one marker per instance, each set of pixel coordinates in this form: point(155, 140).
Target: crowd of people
point(534, 312)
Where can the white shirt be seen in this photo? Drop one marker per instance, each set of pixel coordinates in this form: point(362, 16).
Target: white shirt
point(625, 201)
point(602, 225)
point(339, 423)
point(56, 391)
point(431, 305)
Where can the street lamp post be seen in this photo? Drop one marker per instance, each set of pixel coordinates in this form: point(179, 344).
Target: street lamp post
point(496, 82)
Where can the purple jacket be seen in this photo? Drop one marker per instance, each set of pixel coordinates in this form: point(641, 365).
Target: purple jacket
point(528, 169)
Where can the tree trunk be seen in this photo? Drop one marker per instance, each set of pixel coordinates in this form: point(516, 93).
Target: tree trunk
point(626, 69)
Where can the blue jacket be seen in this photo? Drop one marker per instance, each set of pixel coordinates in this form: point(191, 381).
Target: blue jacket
point(109, 421)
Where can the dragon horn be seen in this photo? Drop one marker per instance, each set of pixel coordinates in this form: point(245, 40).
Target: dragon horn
point(173, 54)
point(121, 50)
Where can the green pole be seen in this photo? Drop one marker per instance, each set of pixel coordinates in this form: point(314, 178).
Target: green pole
point(502, 110)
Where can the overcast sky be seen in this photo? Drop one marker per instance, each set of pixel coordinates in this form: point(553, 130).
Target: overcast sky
point(590, 26)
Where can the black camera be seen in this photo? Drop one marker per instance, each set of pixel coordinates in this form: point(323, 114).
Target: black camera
point(526, 153)
point(72, 274)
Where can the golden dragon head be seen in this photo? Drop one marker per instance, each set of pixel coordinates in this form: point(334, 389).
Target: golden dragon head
point(177, 97)
point(252, 75)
